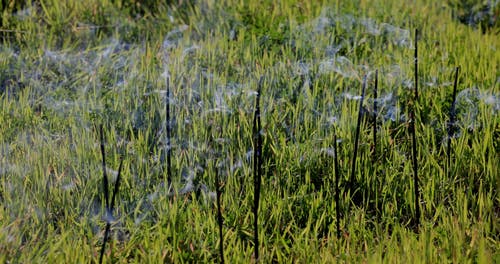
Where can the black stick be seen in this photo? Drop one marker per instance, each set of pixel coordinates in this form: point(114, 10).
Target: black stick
point(219, 214)
point(375, 116)
point(414, 160)
point(106, 235)
point(109, 207)
point(356, 140)
point(169, 134)
point(117, 186)
point(218, 187)
point(415, 169)
point(451, 124)
point(106, 192)
point(109, 212)
point(416, 64)
point(104, 174)
point(337, 183)
point(257, 167)
point(374, 154)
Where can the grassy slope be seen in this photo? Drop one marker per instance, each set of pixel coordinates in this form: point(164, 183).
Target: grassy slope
point(60, 77)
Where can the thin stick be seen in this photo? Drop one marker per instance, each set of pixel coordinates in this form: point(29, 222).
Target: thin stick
point(451, 124)
point(169, 134)
point(218, 186)
point(106, 192)
point(414, 139)
point(375, 116)
point(109, 207)
point(257, 167)
point(416, 64)
point(415, 166)
point(374, 155)
point(337, 179)
point(356, 140)
point(117, 185)
point(109, 212)
point(106, 235)
point(219, 215)
point(104, 174)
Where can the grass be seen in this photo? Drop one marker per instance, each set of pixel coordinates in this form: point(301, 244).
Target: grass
point(66, 66)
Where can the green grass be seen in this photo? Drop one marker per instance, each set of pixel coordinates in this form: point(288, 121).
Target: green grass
point(67, 67)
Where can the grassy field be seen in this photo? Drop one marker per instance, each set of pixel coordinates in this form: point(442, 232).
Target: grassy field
point(68, 67)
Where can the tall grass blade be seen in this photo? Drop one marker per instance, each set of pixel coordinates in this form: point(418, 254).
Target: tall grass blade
point(257, 167)
point(451, 124)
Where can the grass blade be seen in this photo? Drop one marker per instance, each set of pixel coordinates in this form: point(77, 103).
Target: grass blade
point(257, 167)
